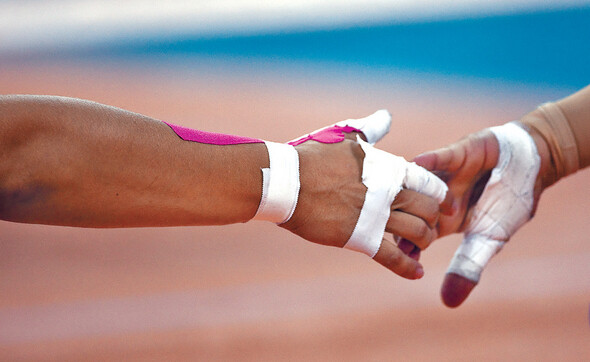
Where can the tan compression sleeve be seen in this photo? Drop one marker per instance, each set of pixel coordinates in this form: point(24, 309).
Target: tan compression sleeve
point(576, 108)
point(550, 121)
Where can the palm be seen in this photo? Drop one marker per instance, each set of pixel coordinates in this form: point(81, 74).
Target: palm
point(465, 166)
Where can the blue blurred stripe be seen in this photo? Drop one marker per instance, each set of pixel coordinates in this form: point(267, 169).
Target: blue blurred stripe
point(551, 48)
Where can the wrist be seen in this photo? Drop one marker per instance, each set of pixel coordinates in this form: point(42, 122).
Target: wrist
point(550, 123)
point(547, 171)
point(280, 184)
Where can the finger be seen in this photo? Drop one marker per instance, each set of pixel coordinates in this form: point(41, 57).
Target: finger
point(448, 207)
point(417, 204)
point(448, 158)
point(425, 182)
point(374, 127)
point(371, 129)
point(424, 206)
point(455, 289)
point(353, 136)
point(473, 255)
point(408, 248)
point(466, 267)
point(429, 160)
point(391, 257)
point(412, 228)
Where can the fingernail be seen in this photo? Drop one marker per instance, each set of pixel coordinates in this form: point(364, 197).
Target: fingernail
point(419, 272)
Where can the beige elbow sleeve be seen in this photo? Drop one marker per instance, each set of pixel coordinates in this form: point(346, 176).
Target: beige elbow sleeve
point(555, 129)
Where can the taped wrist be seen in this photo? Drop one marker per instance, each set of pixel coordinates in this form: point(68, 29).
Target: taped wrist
point(280, 184)
point(553, 126)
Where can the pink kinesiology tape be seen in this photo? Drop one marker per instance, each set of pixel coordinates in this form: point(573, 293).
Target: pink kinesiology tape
point(210, 138)
point(332, 134)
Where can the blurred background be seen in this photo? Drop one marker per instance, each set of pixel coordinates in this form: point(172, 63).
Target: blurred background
point(276, 70)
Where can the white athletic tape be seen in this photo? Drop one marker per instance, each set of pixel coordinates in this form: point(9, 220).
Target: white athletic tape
point(420, 180)
point(384, 175)
point(280, 184)
point(374, 127)
point(505, 204)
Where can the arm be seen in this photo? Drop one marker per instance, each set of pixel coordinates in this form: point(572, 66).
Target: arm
point(78, 163)
point(466, 166)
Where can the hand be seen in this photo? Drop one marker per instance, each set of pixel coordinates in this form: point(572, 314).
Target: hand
point(332, 196)
point(466, 167)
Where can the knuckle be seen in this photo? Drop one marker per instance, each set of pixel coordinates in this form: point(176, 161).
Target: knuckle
point(401, 200)
point(394, 262)
point(422, 233)
point(432, 214)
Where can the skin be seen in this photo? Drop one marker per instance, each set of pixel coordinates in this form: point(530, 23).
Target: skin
point(78, 163)
point(466, 164)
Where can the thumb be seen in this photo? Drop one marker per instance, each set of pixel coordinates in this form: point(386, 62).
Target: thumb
point(504, 206)
point(374, 127)
point(455, 289)
point(466, 267)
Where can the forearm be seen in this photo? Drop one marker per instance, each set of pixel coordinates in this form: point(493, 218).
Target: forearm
point(78, 163)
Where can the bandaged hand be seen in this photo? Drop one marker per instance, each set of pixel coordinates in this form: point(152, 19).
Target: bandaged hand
point(497, 176)
point(333, 187)
point(352, 193)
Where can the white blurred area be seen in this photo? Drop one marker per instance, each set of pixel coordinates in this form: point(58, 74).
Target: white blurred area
point(28, 25)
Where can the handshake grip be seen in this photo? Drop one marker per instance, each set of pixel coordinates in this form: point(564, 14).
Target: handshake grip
point(505, 204)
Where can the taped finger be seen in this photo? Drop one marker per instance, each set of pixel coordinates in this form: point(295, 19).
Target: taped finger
point(425, 182)
point(373, 127)
point(473, 255)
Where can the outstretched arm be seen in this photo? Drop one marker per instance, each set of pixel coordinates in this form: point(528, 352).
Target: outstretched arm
point(78, 163)
point(479, 163)
point(72, 162)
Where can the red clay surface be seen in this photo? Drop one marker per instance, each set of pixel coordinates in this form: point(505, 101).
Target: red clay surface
point(256, 292)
